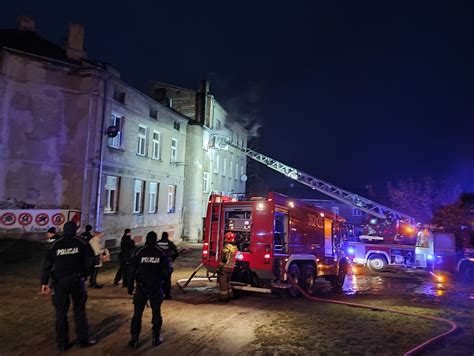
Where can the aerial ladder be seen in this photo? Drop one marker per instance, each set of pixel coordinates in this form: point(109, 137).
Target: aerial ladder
point(221, 142)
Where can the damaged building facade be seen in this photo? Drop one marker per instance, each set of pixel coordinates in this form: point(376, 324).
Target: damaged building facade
point(207, 170)
point(79, 143)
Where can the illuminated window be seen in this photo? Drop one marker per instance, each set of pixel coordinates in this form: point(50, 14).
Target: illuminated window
point(156, 148)
point(116, 121)
point(171, 198)
point(141, 144)
point(356, 212)
point(174, 150)
point(112, 185)
point(205, 182)
point(138, 189)
point(153, 197)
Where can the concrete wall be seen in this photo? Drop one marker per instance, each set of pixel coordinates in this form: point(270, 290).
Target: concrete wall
point(45, 111)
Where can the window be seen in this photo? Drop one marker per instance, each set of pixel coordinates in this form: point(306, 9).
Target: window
point(241, 171)
point(216, 167)
point(218, 124)
point(153, 113)
point(224, 167)
point(138, 196)
point(241, 141)
point(205, 182)
point(152, 197)
point(176, 125)
point(119, 95)
point(141, 146)
point(112, 184)
point(236, 171)
point(356, 212)
point(117, 122)
point(174, 150)
point(230, 169)
point(156, 149)
point(171, 198)
point(335, 210)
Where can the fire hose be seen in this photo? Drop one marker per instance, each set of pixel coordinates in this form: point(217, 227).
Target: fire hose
point(415, 350)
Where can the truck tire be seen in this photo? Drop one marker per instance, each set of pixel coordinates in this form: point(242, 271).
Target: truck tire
point(467, 272)
point(377, 263)
point(308, 275)
point(294, 272)
point(338, 281)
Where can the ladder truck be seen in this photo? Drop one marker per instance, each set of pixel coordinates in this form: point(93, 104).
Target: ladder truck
point(408, 247)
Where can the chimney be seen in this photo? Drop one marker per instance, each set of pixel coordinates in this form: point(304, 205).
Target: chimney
point(75, 42)
point(202, 111)
point(24, 23)
point(204, 87)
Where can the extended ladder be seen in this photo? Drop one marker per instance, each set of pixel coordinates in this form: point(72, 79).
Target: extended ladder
point(354, 200)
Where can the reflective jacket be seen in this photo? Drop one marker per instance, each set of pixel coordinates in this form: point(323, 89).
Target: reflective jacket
point(228, 256)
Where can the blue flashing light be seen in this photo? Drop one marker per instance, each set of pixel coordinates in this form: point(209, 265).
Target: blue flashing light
point(350, 250)
point(429, 257)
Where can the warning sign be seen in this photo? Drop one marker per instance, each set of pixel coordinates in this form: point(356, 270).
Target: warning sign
point(25, 219)
point(58, 219)
point(42, 219)
point(8, 218)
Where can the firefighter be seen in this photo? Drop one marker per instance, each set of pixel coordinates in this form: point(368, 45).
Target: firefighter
point(69, 259)
point(226, 266)
point(170, 250)
point(148, 266)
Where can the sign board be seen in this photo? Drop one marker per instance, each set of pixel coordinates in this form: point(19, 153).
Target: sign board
point(36, 220)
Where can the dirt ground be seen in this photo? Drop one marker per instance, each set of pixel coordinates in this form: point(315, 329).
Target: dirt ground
point(195, 323)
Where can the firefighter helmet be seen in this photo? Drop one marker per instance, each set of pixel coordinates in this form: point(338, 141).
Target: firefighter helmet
point(229, 237)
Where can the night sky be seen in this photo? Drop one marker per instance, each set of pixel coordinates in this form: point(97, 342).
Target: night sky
point(352, 92)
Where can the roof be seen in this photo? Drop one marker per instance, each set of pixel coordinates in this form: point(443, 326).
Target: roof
point(31, 42)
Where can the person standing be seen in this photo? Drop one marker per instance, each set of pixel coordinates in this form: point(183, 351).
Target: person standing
point(226, 267)
point(87, 235)
point(52, 234)
point(68, 260)
point(147, 268)
point(96, 244)
point(127, 245)
point(170, 250)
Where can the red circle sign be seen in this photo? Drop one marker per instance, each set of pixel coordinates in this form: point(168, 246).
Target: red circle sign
point(25, 219)
point(8, 219)
point(42, 219)
point(58, 219)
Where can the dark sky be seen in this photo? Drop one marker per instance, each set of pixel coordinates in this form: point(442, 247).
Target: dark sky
point(352, 92)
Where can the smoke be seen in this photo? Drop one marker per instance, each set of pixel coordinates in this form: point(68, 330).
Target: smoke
point(243, 105)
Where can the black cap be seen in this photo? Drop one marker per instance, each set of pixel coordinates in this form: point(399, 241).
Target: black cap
point(164, 236)
point(70, 228)
point(151, 238)
point(88, 227)
point(52, 230)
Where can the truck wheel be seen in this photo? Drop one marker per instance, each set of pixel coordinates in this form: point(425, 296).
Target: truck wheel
point(307, 278)
point(377, 263)
point(338, 281)
point(467, 272)
point(295, 274)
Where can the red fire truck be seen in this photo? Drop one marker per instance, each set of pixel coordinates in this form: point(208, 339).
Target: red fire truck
point(276, 237)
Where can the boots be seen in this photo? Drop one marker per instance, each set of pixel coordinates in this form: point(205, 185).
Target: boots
point(134, 342)
point(157, 339)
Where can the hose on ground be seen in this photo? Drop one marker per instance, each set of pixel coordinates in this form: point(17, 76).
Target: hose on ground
point(415, 350)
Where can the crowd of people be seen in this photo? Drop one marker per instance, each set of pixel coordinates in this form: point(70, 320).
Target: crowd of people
point(71, 259)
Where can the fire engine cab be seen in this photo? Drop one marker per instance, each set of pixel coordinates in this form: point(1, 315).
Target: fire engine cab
point(276, 237)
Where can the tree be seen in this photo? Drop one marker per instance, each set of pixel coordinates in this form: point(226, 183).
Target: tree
point(420, 198)
point(454, 216)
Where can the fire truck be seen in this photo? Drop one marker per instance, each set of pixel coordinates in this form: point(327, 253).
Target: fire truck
point(277, 237)
point(402, 244)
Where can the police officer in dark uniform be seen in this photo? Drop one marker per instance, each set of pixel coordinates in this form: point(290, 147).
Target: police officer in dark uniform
point(147, 268)
point(170, 250)
point(68, 260)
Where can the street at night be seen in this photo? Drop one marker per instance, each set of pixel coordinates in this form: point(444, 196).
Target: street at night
point(196, 323)
point(237, 178)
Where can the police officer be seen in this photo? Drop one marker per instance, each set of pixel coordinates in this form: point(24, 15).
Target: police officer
point(170, 250)
point(226, 266)
point(147, 268)
point(68, 260)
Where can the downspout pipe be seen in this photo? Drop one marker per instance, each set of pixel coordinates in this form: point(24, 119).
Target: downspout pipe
point(101, 155)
